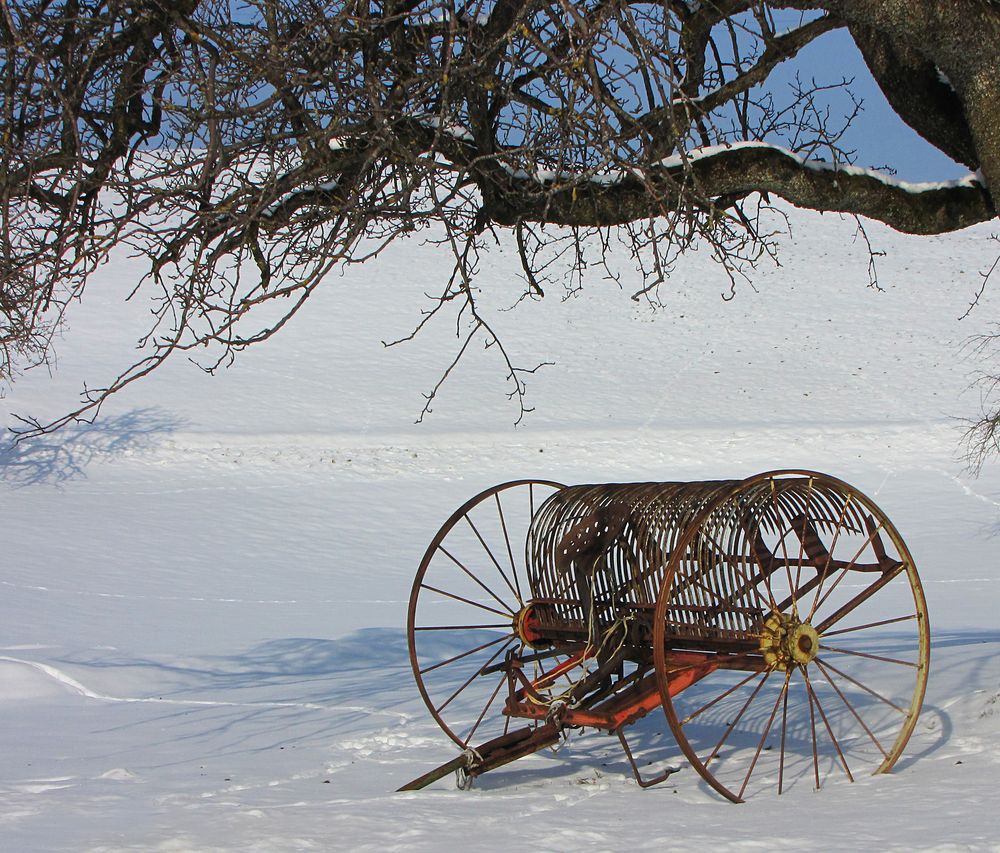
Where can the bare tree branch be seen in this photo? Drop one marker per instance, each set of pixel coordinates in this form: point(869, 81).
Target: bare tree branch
point(247, 152)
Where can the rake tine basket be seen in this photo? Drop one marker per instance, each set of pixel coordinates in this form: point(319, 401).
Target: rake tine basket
point(778, 621)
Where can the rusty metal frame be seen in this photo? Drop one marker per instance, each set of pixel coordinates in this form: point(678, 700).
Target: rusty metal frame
point(667, 578)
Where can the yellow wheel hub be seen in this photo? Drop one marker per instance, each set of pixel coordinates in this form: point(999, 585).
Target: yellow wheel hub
point(786, 642)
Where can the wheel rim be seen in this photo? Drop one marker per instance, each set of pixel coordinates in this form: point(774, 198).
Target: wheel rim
point(841, 637)
point(470, 589)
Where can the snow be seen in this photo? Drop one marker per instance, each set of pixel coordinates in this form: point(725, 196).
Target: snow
point(203, 596)
point(611, 177)
point(676, 160)
point(608, 177)
point(323, 186)
point(455, 131)
point(944, 78)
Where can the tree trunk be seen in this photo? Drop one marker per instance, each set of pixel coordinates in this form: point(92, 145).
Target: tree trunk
point(961, 38)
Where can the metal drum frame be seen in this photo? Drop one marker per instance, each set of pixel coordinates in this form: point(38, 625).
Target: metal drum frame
point(778, 621)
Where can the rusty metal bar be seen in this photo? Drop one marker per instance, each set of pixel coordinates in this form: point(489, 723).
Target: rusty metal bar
point(633, 593)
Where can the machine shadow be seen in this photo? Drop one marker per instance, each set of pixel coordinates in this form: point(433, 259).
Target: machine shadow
point(295, 692)
point(318, 693)
point(592, 755)
point(303, 671)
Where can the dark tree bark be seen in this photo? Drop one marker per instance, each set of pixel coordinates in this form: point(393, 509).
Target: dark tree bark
point(906, 43)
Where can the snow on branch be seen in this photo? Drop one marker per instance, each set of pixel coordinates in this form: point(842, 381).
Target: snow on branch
point(735, 171)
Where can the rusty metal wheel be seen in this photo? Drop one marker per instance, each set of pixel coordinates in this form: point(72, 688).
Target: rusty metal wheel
point(809, 602)
point(468, 594)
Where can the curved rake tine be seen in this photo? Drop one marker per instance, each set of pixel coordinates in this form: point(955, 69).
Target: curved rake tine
point(843, 572)
point(826, 568)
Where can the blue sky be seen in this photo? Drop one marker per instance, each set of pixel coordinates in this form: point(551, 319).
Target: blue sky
point(878, 135)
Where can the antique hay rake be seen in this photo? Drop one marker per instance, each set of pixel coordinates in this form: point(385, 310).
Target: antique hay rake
point(777, 620)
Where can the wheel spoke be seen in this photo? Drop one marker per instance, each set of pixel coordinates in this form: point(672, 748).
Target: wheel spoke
point(751, 583)
point(489, 591)
point(826, 723)
point(459, 627)
point(859, 599)
point(843, 572)
point(833, 546)
point(878, 624)
point(864, 687)
point(717, 699)
point(851, 708)
point(431, 668)
point(767, 731)
point(695, 582)
point(486, 708)
point(463, 600)
point(486, 547)
point(812, 727)
point(510, 550)
point(471, 678)
point(802, 553)
point(739, 716)
point(867, 655)
point(784, 728)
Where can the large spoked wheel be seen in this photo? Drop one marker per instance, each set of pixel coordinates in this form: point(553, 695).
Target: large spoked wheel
point(470, 589)
point(809, 606)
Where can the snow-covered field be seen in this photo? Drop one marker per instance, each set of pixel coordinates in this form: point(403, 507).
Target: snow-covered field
point(203, 596)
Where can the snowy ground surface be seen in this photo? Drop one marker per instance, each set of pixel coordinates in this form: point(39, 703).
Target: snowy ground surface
point(203, 596)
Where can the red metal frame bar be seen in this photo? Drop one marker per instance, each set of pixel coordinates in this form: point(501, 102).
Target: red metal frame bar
point(622, 707)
